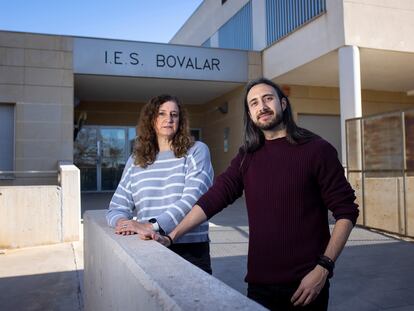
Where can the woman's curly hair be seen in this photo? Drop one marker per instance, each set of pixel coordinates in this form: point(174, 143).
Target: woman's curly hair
point(146, 144)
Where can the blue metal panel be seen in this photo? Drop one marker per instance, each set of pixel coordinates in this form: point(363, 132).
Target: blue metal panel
point(237, 33)
point(284, 16)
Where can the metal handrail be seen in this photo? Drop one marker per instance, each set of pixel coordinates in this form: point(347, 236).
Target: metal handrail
point(30, 172)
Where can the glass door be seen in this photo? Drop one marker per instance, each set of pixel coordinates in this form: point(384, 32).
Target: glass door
point(101, 154)
point(112, 158)
point(86, 157)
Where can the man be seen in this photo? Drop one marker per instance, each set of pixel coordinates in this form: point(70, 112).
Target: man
point(290, 177)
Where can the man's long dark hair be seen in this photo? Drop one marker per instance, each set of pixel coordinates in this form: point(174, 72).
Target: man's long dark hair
point(253, 136)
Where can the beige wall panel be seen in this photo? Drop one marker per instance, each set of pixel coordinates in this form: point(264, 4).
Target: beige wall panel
point(46, 59)
point(383, 96)
point(67, 113)
point(11, 93)
point(255, 71)
point(18, 149)
point(47, 42)
point(323, 92)
point(11, 75)
point(26, 112)
point(39, 131)
point(36, 210)
point(67, 60)
point(46, 163)
point(42, 155)
point(410, 205)
point(12, 39)
point(394, 20)
point(213, 130)
point(255, 58)
point(66, 151)
point(314, 106)
point(325, 100)
point(66, 96)
point(381, 203)
point(66, 132)
point(48, 77)
point(370, 108)
point(11, 56)
point(38, 148)
point(314, 100)
point(47, 94)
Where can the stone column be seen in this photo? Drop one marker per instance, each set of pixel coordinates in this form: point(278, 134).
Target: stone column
point(349, 89)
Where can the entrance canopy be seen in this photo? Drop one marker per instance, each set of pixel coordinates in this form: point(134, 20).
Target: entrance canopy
point(112, 70)
point(113, 88)
point(381, 70)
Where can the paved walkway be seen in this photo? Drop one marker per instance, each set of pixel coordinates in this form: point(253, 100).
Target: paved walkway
point(374, 272)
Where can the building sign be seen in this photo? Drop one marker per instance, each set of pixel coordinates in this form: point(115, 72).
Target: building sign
point(156, 60)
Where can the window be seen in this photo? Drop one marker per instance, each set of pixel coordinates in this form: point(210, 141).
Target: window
point(7, 137)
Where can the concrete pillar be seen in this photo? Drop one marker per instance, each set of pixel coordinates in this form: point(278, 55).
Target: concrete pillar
point(259, 24)
point(349, 89)
point(71, 205)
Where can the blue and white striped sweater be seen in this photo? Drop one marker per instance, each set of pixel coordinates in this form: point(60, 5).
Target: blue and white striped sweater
point(165, 190)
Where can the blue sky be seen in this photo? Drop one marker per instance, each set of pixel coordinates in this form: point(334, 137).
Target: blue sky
point(139, 20)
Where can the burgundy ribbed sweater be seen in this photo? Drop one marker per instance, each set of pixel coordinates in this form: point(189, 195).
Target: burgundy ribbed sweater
point(288, 189)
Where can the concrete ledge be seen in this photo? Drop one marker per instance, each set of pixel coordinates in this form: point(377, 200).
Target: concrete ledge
point(125, 273)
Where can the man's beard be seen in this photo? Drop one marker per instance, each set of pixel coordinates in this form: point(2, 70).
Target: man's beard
point(272, 124)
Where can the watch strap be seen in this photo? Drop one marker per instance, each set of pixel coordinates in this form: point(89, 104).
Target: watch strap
point(327, 263)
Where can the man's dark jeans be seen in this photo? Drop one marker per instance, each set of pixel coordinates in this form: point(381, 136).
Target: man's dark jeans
point(275, 297)
point(196, 253)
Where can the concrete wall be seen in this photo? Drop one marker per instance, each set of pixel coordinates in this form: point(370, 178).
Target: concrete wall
point(393, 19)
point(38, 215)
point(30, 215)
point(36, 76)
point(126, 273)
point(317, 38)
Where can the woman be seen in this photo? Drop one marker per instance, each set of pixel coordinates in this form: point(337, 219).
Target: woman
point(163, 179)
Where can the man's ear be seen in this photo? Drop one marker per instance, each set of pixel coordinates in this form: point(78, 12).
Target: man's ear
point(283, 103)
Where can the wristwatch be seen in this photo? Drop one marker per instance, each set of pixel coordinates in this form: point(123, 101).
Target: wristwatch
point(327, 263)
point(155, 226)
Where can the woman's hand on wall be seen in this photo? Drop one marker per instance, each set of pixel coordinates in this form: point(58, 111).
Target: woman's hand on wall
point(128, 227)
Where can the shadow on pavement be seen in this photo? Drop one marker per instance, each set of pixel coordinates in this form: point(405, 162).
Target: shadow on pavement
point(48, 291)
point(374, 277)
